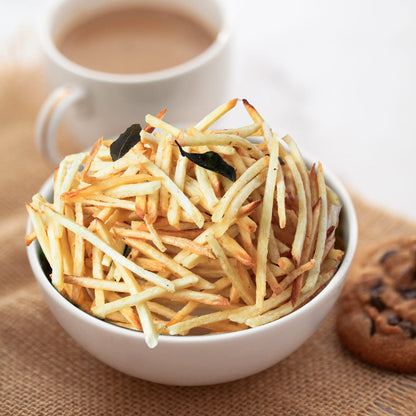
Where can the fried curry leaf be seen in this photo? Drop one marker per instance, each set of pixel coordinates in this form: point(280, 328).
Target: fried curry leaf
point(211, 161)
point(44, 264)
point(126, 251)
point(125, 141)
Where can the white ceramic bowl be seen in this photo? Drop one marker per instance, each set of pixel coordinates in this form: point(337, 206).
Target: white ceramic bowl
point(203, 359)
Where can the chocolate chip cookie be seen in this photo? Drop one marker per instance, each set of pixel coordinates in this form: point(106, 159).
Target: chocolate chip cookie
point(377, 310)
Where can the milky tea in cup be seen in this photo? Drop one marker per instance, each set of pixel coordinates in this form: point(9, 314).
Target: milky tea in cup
point(108, 63)
point(135, 40)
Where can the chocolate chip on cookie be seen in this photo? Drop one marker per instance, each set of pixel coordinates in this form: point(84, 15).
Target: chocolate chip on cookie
point(377, 311)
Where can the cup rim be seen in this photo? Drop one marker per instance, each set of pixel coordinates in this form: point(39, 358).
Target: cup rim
point(49, 48)
point(329, 290)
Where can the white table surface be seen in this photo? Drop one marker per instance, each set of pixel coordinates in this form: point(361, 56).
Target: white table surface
point(339, 76)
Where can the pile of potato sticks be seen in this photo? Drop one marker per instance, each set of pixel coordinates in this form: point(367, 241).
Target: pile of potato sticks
point(156, 243)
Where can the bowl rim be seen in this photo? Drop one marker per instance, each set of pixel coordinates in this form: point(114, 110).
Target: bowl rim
point(351, 235)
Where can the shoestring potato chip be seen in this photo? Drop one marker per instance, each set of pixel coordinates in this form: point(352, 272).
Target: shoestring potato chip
point(197, 231)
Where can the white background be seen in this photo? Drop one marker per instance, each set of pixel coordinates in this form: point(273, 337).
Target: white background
point(339, 76)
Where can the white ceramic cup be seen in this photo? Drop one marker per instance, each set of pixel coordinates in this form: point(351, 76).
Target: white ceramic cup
point(95, 104)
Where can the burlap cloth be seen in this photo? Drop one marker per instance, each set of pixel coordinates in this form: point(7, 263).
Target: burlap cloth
point(44, 372)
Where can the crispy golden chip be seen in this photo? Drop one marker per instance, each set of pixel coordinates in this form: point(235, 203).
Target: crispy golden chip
point(170, 264)
point(237, 186)
point(230, 272)
point(97, 283)
point(129, 314)
point(265, 222)
point(221, 139)
point(98, 273)
point(300, 233)
point(40, 231)
point(321, 233)
point(235, 205)
point(174, 209)
point(183, 313)
point(209, 318)
point(216, 114)
point(110, 251)
point(180, 242)
point(95, 149)
point(162, 125)
point(233, 249)
point(166, 166)
point(244, 131)
point(206, 187)
point(160, 115)
point(57, 275)
point(183, 201)
point(146, 294)
point(186, 295)
point(155, 237)
point(145, 316)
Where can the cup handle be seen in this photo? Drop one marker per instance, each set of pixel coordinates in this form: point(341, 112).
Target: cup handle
point(49, 118)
